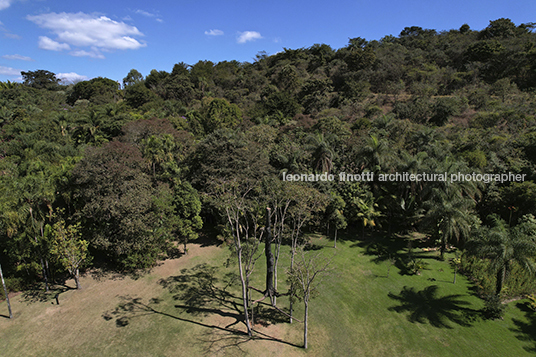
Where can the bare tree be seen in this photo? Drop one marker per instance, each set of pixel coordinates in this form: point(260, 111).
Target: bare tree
point(281, 197)
point(307, 202)
point(305, 277)
point(241, 213)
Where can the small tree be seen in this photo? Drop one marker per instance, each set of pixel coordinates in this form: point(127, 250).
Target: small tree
point(335, 216)
point(69, 248)
point(504, 246)
point(305, 278)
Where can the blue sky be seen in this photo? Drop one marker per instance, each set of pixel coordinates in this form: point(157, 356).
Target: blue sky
point(82, 40)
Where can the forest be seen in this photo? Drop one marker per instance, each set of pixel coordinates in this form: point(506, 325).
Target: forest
point(121, 176)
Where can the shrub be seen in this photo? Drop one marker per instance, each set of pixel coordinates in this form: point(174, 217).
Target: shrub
point(493, 308)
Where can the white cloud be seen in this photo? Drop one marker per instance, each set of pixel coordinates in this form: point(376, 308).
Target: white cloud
point(94, 53)
point(148, 14)
point(214, 32)
point(18, 57)
point(145, 13)
point(71, 77)
point(8, 71)
point(247, 36)
point(12, 35)
point(84, 30)
point(4, 4)
point(46, 43)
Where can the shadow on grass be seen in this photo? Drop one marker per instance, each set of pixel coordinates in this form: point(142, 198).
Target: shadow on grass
point(526, 331)
point(199, 289)
point(37, 293)
point(200, 293)
point(399, 251)
point(425, 306)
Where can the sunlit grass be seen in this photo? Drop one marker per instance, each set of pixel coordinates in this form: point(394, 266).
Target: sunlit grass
point(190, 307)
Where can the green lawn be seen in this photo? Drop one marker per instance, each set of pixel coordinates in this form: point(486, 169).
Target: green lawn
point(190, 306)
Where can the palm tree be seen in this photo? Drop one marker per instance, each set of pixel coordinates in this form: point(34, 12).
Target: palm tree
point(88, 128)
point(323, 153)
point(452, 167)
point(451, 215)
point(367, 210)
point(504, 245)
point(375, 154)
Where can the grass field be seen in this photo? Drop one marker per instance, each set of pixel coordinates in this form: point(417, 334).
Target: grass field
point(190, 306)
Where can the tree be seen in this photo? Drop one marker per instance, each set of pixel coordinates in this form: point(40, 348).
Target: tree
point(133, 77)
point(335, 216)
point(503, 246)
point(69, 248)
point(307, 202)
point(159, 151)
point(89, 128)
point(221, 114)
point(97, 90)
point(368, 212)
point(451, 216)
point(187, 209)
point(501, 28)
point(6, 293)
point(40, 79)
point(234, 199)
point(280, 105)
point(375, 154)
point(322, 151)
point(123, 215)
point(137, 94)
point(36, 201)
point(305, 278)
point(449, 204)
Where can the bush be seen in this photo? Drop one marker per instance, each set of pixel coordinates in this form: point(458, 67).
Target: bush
point(417, 266)
point(532, 302)
point(518, 281)
point(418, 110)
point(493, 308)
point(485, 120)
point(444, 108)
point(361, 123)
point(12, 285)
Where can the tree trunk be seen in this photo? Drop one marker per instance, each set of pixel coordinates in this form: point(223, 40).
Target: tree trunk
point(443, 247)
point(335, 241)
point(45, 276)
point(269, 260)
point(5, 291)
point(244, 291)
point(305, 323)
point(77, 279)
point(40, 253)
point(501, 274)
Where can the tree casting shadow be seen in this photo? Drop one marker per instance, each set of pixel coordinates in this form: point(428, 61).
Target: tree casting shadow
point(37, 293)
point(200, 293)
point(425, 306)
point(526, 331)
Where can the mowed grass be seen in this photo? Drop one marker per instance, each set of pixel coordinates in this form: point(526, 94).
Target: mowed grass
point(191, 306)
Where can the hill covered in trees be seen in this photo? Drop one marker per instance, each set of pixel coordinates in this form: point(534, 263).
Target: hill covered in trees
point(98, 173)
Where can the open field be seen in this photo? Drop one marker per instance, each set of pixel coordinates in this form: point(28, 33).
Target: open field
point(188, 306)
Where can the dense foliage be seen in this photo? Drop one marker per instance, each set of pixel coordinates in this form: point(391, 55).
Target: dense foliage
point(135, 168)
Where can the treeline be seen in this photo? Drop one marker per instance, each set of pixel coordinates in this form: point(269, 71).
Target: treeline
point(125, 174)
